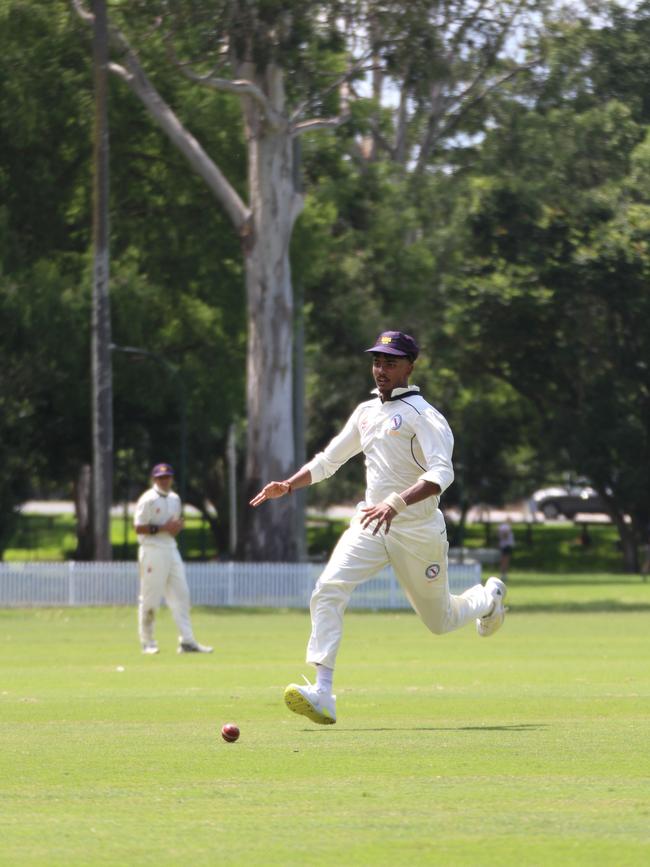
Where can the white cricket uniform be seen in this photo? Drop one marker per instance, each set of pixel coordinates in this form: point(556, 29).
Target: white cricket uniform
point(506, 536)
point(162, 572)
point(404, 439)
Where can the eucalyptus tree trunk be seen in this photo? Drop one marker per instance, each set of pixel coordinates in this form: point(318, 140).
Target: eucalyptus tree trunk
point(274, 205)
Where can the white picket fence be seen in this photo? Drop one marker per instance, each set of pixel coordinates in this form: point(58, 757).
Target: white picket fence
point(227, 584)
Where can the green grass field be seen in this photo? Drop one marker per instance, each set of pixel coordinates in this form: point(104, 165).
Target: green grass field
point(529, 748)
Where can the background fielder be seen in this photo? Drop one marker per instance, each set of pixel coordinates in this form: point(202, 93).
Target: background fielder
point(157, 522)
point(407, 446)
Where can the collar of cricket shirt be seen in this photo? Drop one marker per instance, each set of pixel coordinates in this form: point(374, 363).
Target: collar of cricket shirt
point(398, 393)
point(160, 492)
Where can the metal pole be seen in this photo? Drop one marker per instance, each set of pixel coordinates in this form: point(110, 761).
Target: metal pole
point(300, 448)
point(102, 384)
point(231, 453)
point(182, 470)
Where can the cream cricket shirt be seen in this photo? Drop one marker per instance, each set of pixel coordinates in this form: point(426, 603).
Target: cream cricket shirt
point(154, 507)
point(403, 439)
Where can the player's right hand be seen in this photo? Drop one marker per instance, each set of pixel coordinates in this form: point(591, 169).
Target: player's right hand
point(173, 526)
point(271, 491)
point(382, 513)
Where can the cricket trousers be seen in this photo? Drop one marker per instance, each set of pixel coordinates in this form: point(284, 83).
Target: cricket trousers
point(417, 551)
point(162, 574)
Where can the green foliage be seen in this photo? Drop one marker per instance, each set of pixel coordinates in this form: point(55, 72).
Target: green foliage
point(175, 278)
point(553, 297)
point(45, 117)
point(490, 429)
point(554, 550)
point(53, 538)
point(301, 39)
point(550, 549)
point(44, 391)
point(519, 258)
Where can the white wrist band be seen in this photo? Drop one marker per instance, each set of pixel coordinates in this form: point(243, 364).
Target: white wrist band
point(395, 502)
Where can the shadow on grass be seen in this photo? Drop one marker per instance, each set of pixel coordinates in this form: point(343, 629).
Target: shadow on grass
point(595, 606)
point(563, 580)
point(517, 727)
point(557, 607)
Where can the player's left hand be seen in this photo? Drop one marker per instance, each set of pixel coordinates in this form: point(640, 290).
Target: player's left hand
point(382, 513)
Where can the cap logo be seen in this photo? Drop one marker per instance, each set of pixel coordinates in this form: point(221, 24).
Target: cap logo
point(395, 343)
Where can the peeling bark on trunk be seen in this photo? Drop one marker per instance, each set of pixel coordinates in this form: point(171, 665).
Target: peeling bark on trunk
point(270, 436)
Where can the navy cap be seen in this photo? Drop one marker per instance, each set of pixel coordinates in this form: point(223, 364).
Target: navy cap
point(395, 343)
point(162, 470)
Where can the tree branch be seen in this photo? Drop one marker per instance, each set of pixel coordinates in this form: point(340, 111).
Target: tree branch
point(358, 66)
point(381, 140)
point(132, 73)
point(240, 87)
point(464, 102)
point(82, 12)
point(318, 123)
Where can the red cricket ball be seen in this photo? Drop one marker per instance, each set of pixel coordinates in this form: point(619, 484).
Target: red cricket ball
point(230, 732)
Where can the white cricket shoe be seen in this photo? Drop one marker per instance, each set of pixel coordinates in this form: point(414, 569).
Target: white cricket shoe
point(316, 704)
point(193, 647)
point(150, 647)
point(493, 620)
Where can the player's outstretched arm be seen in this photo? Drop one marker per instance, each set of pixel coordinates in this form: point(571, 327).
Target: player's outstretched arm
point(273, 490)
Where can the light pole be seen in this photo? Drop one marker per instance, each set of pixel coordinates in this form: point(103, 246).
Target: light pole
point(102, 383)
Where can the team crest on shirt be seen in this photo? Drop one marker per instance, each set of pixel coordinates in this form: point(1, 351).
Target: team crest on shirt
point(432, 571)
point(395, 423)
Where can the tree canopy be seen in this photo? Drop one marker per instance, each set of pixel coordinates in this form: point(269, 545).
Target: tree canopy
point(488, 191)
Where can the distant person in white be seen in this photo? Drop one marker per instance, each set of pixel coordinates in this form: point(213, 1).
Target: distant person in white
point(506, 547)
point(407, 445)
point(157, 522)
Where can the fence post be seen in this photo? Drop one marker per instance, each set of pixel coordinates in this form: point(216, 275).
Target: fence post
point(393, 589)
point(231, 582)
point(71, 594)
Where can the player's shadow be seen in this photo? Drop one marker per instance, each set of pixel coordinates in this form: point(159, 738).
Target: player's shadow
point(516, 727)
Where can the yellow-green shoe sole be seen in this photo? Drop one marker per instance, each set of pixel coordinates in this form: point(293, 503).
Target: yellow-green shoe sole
point(297, 703)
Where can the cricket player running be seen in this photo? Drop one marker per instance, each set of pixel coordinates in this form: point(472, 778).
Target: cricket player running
point(157, 522)
point(407, 445)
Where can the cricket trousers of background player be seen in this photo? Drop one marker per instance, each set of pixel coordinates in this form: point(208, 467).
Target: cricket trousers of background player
point(162, 573)
point(417, 551)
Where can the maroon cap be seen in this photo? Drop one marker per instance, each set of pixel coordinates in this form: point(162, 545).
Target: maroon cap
point(395, 343)
point(162, 470)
